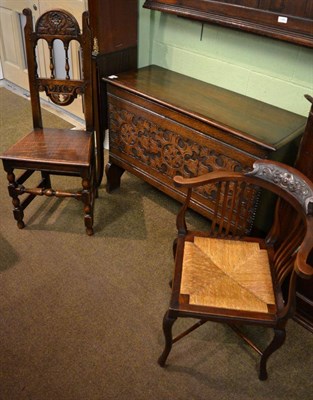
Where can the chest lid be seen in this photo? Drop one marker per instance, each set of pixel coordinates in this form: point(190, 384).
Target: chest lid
point(240, 115)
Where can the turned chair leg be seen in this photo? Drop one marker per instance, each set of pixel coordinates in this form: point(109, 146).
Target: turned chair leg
point(167, 330)
point(276, 343)
point(17, 210)
point(88, 200)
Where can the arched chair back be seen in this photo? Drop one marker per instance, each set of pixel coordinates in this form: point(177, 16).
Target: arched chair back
point(52, 28)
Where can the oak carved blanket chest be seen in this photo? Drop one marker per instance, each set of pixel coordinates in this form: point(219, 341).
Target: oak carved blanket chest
point(163, 124)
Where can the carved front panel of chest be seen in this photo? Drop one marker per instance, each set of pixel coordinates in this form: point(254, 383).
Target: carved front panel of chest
point(164, 150)
point(167, 148)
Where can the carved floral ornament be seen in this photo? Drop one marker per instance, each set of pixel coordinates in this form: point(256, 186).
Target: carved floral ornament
point(61, 95)
point(57, 23)
point(164, 150)
point(297, 187)
point(169, 154)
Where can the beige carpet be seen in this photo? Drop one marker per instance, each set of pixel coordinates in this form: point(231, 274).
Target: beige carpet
point(81, 317)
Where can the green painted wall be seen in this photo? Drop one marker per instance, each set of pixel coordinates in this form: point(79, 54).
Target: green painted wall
point(269, 70)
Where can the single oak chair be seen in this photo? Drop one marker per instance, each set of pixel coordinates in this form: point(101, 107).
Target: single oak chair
point(229, 275)
point(47, 150)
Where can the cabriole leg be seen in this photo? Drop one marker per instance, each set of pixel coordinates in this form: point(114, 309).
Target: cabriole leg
point(276, 343)
point(167, 330)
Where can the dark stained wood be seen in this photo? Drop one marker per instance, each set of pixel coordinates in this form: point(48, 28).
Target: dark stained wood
point(262, 17)
point(299, 8)
point(207, 285)
point(243, 116)
point(163, 124)
point(114, 25)
point(304, 163)
point(55, 151)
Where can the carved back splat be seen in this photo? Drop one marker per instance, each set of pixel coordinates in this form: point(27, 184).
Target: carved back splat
point(62, 26)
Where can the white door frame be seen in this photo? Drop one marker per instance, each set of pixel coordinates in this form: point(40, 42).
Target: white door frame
point(12, 50)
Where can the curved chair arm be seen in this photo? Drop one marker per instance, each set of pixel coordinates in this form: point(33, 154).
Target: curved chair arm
point(302, 268)
point(204, 179)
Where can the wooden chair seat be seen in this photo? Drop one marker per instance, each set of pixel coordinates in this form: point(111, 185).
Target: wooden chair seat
point(53, 147)
point(228, 274)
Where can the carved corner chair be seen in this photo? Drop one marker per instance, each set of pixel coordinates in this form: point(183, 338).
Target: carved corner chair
point(229, 275)
point(55, 151)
